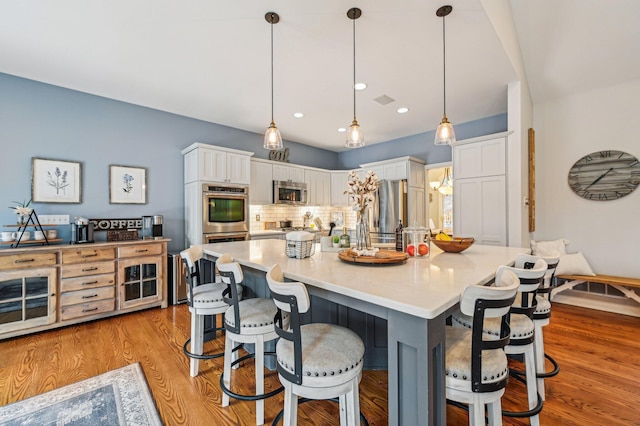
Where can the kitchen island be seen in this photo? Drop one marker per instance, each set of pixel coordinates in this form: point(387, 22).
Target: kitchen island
point(415, 297)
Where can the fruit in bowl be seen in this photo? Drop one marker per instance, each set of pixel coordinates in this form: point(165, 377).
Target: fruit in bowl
point(455, 245)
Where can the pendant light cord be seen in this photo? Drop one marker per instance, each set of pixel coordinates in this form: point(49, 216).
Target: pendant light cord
point(272, 69)
point(354, 69)
point(444, 70)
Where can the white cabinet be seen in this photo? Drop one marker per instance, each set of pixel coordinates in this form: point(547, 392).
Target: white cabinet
point(338, 186)
point(480, 209)
point(261, 189)
point(415, 206)
point(480, 191)
point(486, 158)
point(318, 187)
point(285, 172)
point(209, 163)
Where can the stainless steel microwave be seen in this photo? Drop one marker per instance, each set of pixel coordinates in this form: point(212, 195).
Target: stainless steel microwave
point(287, 192)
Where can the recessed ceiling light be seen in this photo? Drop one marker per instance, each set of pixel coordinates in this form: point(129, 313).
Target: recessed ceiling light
point(342, 129)
point(298, 114)
point(360, 86)
point(402, 110)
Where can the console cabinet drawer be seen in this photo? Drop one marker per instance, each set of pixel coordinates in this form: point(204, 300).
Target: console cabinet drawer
point(96, 268)
point(86, 309)
point(88, 295)
point(139, 250)
point(27, 261)
point(87, 255)
point(82, 283)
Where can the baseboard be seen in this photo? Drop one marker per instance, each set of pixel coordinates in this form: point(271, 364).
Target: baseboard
point(600, 302)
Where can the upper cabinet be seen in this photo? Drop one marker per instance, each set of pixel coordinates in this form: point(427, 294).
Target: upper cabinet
point(339, 181)
point(486, 158)
point(286, 172)
point(318, 186)
point(261, 190)
point(216, 164)
point(409, 168)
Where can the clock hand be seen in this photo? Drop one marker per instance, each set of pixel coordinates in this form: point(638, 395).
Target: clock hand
point(598, 180)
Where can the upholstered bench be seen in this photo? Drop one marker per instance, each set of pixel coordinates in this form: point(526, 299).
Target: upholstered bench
point(622, 284)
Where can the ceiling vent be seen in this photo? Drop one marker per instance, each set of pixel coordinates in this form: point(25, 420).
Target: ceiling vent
point(384, 100)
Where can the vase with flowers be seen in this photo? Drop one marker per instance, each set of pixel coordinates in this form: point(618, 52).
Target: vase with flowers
point(22, 210)
point(362, 195)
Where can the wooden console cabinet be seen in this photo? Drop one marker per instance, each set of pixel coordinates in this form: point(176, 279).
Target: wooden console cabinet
point(49, 287)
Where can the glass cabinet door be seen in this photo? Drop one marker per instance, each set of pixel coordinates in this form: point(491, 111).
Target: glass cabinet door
point(140, 281)
point(27, 298)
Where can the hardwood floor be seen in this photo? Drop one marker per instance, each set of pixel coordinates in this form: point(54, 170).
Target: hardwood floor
point(598, 352)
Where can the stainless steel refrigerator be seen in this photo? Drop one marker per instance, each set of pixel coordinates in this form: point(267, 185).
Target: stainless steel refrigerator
point(389, 207)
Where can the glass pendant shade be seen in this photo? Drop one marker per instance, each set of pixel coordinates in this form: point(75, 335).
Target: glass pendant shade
point(272, 138)
point(445, 135)
point(355, 137)
point(446, 186)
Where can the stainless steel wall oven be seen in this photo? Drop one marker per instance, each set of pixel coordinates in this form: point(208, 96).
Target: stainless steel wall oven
point(225, 210)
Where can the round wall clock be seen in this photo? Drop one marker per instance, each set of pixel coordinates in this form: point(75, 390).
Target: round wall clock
point(605, 175)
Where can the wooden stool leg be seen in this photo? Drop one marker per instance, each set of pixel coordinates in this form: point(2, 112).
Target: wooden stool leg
point(197, 337)
point(259, 364)
point(226, 370)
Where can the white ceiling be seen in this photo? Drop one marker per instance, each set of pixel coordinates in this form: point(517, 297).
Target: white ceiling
point(210, 59)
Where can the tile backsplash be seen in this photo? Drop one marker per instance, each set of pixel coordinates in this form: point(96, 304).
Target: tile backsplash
point(276, 213)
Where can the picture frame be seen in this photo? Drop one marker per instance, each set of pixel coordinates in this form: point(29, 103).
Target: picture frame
point(127, 185)
point(337, 217)
point(56, 181)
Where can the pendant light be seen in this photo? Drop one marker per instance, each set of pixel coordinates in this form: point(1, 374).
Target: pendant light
point(445, 135)
point(272, 138)
point(355, 137)
point(446, 186)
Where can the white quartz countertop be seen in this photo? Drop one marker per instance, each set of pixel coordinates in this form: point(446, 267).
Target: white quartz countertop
point(422, 287)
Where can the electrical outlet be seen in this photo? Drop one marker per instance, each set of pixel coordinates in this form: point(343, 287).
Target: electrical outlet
point(54, 219)
point(257, 218)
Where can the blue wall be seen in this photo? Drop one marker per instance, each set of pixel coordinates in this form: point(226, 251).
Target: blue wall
point(45, 121)
point(421, 145)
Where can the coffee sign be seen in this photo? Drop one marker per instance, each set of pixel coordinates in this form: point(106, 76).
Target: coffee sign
point(116, 224)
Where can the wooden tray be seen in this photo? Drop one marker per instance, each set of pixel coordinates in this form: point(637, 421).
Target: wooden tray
point(390, 257)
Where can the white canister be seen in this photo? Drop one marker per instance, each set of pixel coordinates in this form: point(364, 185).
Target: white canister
point(22, 236)
point(38, 235)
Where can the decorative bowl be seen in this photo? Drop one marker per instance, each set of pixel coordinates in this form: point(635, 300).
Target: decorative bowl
point(456, 246)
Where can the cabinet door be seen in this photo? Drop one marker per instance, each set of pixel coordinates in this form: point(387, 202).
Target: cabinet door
point(261, 189)
point(140, 281)
point(284, 172)
point(212, 165)
point(480, 210)
point(416, 206)
point(338, 186)
point(318, 186)
point(395, 171)
point(485, 158)
point(238, 169)
point(27, 298)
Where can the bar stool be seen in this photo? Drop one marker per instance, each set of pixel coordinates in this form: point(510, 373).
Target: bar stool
point(202, 299)
point(315, 361)
point(477, 369)
point(541, 316)
point(246, 321)
point(522, 332)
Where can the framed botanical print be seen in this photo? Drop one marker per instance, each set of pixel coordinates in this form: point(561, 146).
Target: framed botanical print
point(55, 181)
point(127, 185)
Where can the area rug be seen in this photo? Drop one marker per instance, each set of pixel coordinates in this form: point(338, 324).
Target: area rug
point(118, 397)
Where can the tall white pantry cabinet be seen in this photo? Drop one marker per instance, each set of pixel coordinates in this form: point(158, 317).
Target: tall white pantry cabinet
point(206, 164)
point(480, 190)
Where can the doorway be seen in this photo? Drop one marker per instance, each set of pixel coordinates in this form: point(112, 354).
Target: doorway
point(440, 197)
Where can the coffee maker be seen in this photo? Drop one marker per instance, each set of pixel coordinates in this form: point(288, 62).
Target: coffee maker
point(151, 227)
point(81, 231)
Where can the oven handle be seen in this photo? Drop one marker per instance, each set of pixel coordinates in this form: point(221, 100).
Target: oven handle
point(227, 195)
point(244, 235)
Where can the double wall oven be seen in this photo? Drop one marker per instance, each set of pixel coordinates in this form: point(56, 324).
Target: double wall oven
point(225, 215)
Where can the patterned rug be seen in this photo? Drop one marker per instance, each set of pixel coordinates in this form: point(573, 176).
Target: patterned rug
point(118, 397)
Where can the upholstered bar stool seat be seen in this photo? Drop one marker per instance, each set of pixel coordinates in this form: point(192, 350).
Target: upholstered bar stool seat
point(314, 361)
point(248, 321)
point(203, 299)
